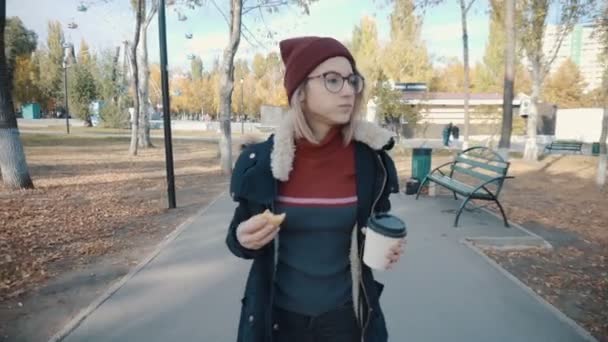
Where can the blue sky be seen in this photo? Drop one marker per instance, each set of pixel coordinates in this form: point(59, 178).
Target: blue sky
point(106, 24)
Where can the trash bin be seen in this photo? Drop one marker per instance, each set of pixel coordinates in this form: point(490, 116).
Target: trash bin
point(421, 163)
point(595, 148)
point(31, 111)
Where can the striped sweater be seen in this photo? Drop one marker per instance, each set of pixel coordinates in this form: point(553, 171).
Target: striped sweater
point(320, 199)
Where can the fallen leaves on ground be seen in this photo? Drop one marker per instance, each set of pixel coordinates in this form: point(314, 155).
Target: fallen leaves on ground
point(90, 200)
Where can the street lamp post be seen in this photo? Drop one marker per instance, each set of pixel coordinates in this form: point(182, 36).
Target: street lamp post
point(164, 76)
point(65, 85)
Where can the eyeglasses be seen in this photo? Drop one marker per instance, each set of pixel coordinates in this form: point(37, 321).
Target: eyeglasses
point(334, 82)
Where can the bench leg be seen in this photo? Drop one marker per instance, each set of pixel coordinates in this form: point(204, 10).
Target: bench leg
point(420, 186)
point(455, 197)
point(504, 217)
point(460, 211)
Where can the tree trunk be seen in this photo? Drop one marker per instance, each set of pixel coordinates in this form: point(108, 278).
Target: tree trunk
point(531, 149)
point(144, 77)
point(135, 83)
point(144, 81)
point(507, 105)
point(115, 74)
point(465, 51)
point(13, 166)
point(602, 160)
point(227, 86)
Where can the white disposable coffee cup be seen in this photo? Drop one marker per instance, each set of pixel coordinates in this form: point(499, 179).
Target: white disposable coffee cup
point(383, 232)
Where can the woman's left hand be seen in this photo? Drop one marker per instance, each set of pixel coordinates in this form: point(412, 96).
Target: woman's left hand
point(395, 253)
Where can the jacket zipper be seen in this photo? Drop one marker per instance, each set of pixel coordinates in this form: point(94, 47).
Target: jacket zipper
point(274, 269)
point(370, 310)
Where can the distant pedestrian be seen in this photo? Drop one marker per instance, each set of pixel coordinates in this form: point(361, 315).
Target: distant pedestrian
point(447, 131)
point(455, 132)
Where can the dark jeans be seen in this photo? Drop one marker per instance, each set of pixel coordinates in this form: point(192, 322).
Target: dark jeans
point(339, 325)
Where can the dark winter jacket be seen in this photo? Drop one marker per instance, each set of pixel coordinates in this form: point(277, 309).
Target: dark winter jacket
point(254, 186)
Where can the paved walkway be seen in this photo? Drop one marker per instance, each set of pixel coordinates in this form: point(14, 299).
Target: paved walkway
point(441, 291)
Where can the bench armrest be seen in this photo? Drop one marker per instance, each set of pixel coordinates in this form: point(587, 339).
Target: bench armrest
point(438, 168)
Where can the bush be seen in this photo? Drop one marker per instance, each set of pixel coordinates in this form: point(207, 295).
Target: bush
point(82, 92)
point(112, 116)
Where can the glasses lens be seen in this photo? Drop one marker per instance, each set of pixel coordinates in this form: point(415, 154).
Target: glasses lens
point(333, 82)
point(356, 82)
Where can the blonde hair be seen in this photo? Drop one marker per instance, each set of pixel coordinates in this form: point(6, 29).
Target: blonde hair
point(302, 128)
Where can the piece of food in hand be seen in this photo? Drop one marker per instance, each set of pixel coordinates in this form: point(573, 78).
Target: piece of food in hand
point(276, 220)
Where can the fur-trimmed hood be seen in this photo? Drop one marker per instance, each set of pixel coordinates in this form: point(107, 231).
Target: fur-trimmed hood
point(284, 147)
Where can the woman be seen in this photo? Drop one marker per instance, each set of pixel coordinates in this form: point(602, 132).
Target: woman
point(327, 171)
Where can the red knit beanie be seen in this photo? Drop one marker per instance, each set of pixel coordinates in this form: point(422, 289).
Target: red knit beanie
point(302, 55)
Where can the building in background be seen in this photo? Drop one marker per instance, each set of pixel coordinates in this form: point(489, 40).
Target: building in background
point(437, 109)
point(582, 47)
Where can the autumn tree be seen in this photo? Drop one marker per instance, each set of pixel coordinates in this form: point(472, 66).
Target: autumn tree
point(196, 68)
point(391, 108)
point(491, 70)
point(82, 85)
point(50, 61)
point(450, 78)
point(20, 43)
point(26, 81)
point(110, 89)
point(13, 165)
point(405, 58)
point(565, 87)
point(366, 49)
point(266, 82)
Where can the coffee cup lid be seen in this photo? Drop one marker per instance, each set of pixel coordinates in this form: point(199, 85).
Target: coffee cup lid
point(387, 225)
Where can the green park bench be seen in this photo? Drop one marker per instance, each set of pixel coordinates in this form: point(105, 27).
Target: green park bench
point(565, 145)
point(477, 173)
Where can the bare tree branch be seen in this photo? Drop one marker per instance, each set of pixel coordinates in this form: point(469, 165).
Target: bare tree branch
point(469, 6)
point(555, 50)
point(264, 20)
point(246, 29)
point(221, 12)
point(265, 5)
point(153, 11)
point(563, 32)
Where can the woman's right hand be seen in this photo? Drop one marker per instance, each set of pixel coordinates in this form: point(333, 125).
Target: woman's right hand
point(256, 232)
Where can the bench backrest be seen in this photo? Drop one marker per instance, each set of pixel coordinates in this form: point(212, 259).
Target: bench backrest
point(479, 165)
point(565, 144)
